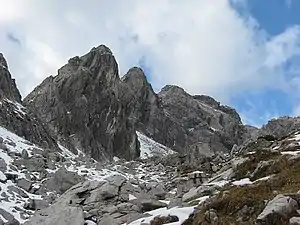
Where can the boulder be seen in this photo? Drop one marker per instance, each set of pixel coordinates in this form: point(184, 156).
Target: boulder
point(62, 180)
point(201, 191)
point(160, 220)
point(57, 214)
point(24, 184)
point(156, 189)
point(3, 165)
point(211, 217)
point(279, 207)
point(13, 189)
point(25, 154)
point(36, 204)
point(149, 204)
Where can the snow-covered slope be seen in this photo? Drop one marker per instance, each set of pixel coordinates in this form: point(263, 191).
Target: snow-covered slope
point(25, 169)
point(150, 148)
point(12, 147)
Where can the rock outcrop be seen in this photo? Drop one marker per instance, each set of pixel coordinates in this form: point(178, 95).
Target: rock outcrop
point(82, 107)
point(15, 117)
point(8, 87)
point(280, 127)
point(208, 127)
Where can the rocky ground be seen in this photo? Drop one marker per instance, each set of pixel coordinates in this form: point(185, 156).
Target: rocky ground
point(257, 184)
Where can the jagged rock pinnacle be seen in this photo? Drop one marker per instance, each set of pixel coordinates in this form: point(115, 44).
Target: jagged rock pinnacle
point(3, 62)
point(102, 49)
point(8, 87)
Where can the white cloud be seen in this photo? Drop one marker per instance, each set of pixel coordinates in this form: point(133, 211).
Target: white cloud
point(204, 46)
point(11, 10)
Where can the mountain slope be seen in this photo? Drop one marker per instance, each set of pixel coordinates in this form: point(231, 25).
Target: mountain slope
point(31, 177)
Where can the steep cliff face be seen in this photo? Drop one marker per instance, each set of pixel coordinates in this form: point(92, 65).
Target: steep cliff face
point(82, 106)
point(148, 114)
point(208, 126)
point(15, 117)
point(8, 88)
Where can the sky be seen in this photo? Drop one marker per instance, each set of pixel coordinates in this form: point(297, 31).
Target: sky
point(244, 53)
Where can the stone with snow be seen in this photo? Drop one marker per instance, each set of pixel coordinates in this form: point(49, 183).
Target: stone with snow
point(150, 204)
point(295, 221)
point(36, 204)
point(10, 220)
point(198, 192)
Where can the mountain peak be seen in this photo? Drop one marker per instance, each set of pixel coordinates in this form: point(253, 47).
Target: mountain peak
point(135, 73)
point(3, 62)
point(8, 87)
point(172, 89)
point(102, 49)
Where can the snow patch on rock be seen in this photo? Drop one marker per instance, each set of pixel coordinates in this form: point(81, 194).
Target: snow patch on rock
point(150, 148)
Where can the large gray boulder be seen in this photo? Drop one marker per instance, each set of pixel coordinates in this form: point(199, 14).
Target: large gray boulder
point(62, 180)
point(281, 207)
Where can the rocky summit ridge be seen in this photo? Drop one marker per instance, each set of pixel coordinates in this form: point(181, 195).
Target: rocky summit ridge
point(91, 109)
point(89, 146)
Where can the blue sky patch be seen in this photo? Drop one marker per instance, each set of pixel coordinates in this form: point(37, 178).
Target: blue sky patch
point(273, 16)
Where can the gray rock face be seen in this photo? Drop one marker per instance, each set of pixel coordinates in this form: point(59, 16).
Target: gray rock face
point(280, 127)
point(208, 127)
point(82, 106)
point(8, 87)
point(15, 117)
point(57, 215)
